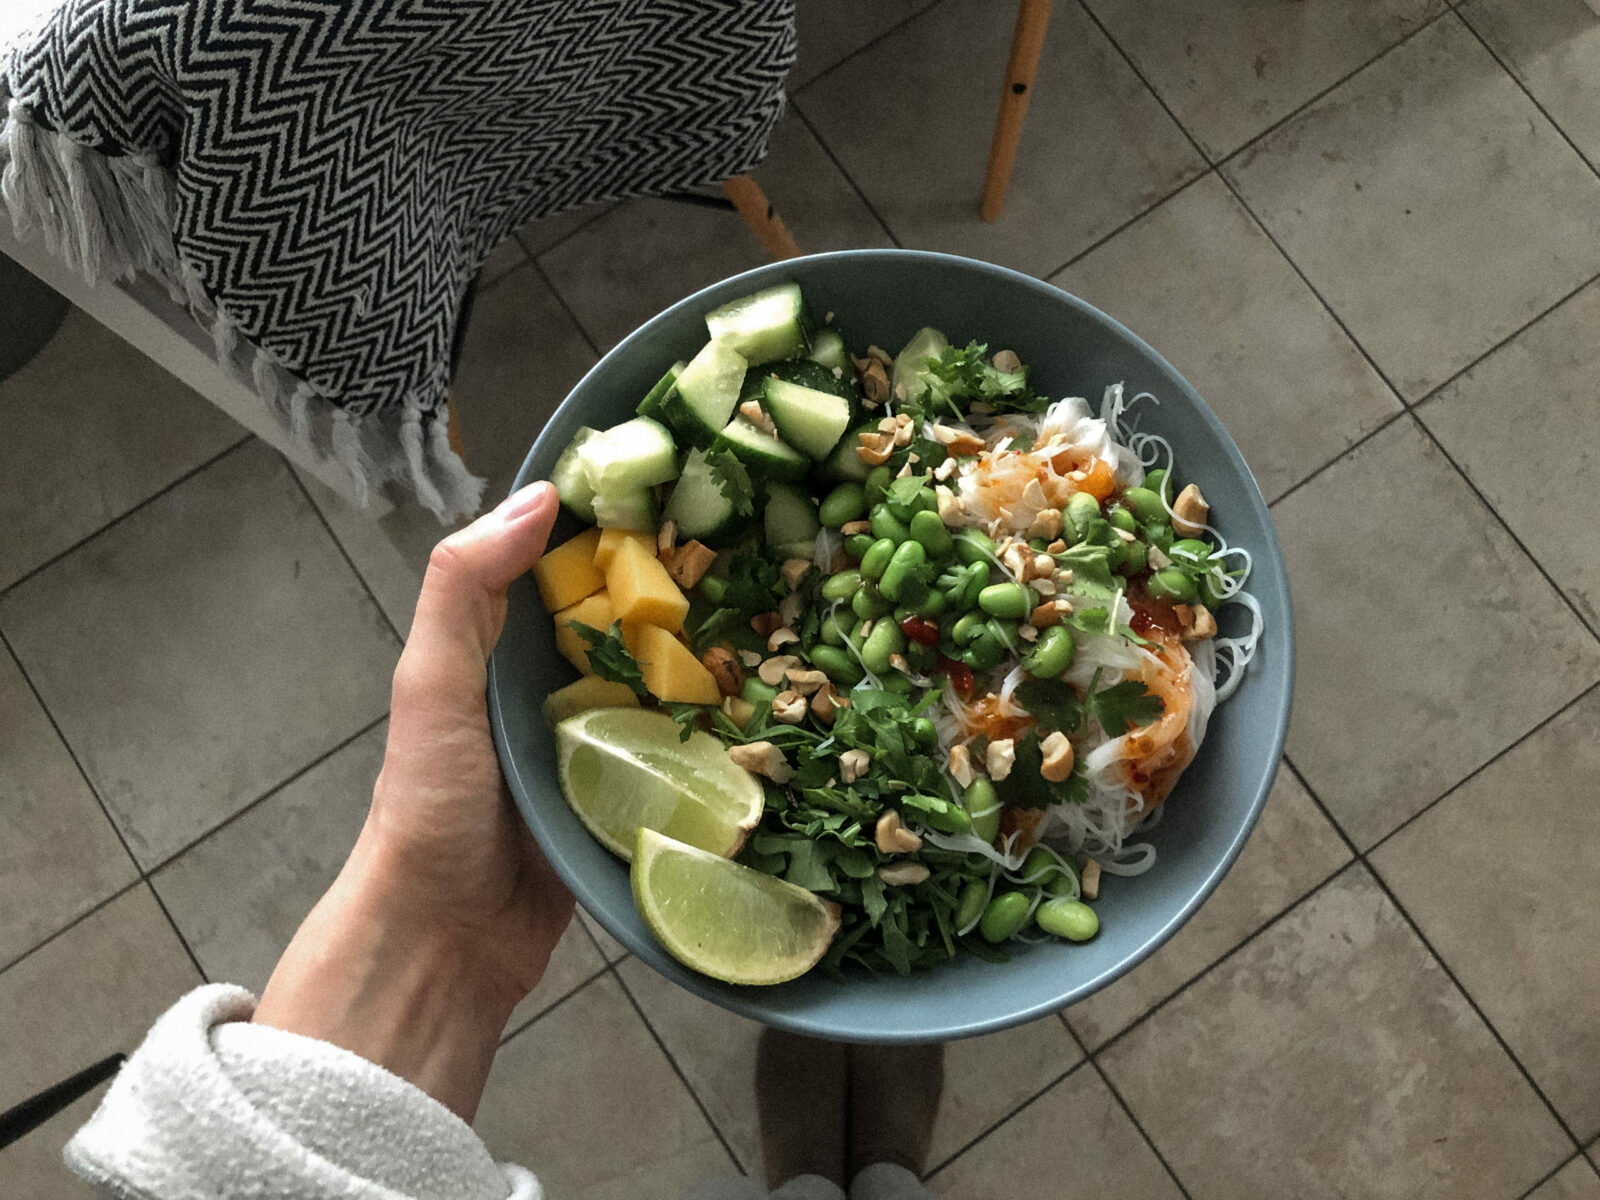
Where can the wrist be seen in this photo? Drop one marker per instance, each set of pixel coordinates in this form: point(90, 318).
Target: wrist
point(406, 994)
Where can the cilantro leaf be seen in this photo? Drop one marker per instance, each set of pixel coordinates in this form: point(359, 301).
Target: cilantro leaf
point(733, 480)
point(961, 375)
point(688, 716)
point(609, 656)
point(904, 491)
point(1124, 706)
point(1091, 571)
point(1026, 786)
point(755, 583)
point(1053, 703)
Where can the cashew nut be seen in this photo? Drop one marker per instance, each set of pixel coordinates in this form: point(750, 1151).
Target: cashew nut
point(1058, 757)
point(893, 837)
point(762, 758)
point(773, 670)
point(789, 708)
point(903, 874)
point(723, 668)
point(793, 571)
point(781, 637)
point(1190, 512)
point(961, 765)
point(853, 765)
point(999, 758)
point(1089, 880)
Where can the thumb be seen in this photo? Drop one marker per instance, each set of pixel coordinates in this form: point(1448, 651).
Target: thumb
point(462, 604)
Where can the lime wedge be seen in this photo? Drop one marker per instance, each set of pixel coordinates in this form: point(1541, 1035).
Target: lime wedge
point(624, 768)
point(725, 920)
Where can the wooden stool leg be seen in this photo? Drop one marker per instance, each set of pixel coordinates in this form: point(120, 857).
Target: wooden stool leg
point(1033, 17)
point(758, 213)
point(452, 425)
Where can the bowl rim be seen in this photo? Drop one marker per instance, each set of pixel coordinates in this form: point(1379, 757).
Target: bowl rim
point(746, 1001)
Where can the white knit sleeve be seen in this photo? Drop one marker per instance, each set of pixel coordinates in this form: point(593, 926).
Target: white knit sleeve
point(210, 1106)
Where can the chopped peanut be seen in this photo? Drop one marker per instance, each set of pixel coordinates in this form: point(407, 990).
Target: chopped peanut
point(773, 670)
point(793, 571)
point(852, 765)
point(851, 528)
point(723, 668)
point(999, 758)
point(961, 765)
point(806, 682)
point(789, 708)
point(903, 874)
point(1005, 360)
point(781, 636)
point(1044, 616)
point(1058, 757)
point(750, 658)
point(765, 623)
point(826, 703)
point(1204, 625)
point(738, 710)
point(689, 564)
point(875, 448)
point(762, 758)
point(1089, 880)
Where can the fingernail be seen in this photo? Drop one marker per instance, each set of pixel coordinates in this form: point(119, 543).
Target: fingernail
point(520, 503)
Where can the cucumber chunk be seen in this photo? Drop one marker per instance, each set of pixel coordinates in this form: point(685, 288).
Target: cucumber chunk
point(768, 325)
point(810, 421)
point(791, 522)
point(634, 508)
point(844, 463)
point(827, 348)
point(765, 456)
point(570, 480)
point(636, 454)
point(697, 505)
point(924, 344)
point(654, 403)
point(702, 400)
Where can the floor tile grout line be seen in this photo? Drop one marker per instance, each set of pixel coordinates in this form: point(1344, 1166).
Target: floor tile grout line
point(1078, 257)
point(601, 209)
point(72, 924)
point(1338, 458)
point(1506, 525)
point(868, 45)
point(1149, 87)
point(293, 777)
point(855, 187)
point(1161, 1158)
point(548, 1008)
point(676, 1069)
point(1449, 973)
point(1591, 690)
point(1551, 1174)
point(121, 517)
point(1312, 101)
point(588, 338)
point(178, 933)
point(992, 1128)
point(344, 553)
point(1526, 91)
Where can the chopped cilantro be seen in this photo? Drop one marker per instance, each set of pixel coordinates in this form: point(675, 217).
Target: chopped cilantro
point(1123, 706)
point(609, 656)
point(961, 375)
point(1091, 571)
point(1053, 703)
point(733, 480)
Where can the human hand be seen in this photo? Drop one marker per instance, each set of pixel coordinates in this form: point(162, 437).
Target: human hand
point(445, 914)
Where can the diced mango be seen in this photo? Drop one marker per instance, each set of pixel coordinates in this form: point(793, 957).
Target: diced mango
point(610, 539)
point(641, 590)
point(589, 692)
point(594, 611)
point(671, 671)
point(567, 574)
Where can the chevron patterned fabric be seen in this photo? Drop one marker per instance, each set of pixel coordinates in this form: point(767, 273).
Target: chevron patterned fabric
point(321, 179)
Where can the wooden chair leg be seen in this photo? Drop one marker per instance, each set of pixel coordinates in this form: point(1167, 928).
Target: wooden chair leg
point(758, 214)
point(452, 426)
point(1033, 17)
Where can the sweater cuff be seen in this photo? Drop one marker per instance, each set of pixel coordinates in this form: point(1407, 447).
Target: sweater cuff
point(210, 1106)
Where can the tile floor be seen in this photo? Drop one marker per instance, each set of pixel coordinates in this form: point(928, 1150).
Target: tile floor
point(1369, 232)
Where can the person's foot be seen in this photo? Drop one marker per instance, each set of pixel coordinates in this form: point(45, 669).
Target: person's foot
point(800, 1100)
point(894, 1098)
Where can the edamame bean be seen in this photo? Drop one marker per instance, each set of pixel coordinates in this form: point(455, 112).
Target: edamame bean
point(857, 545)
point(985, 651)
point(841, 586)
point(1145, 504)
point(1005, 600)
point(837, 626)
point(1070, 919)
point(869, 603)
point(884, 640)
point(886, 525)
point(1191, 552)
point(758, 693)
point(1005, 917)
point(922, 500)
point(896, 683)
point(877, 484)
point(1122, 519)
point(837, 665)
point(1135, 558)
point(983, 806)
point(974, 546)
point(1081, 509)
point(1155, 480)
point(942, 815)
point(967, 628)
point(1172, 584)
point(847, 502)
point(875, 560)
point(928, 529)
point(908, 559)
point(970, 902)
point(1039, 867)
point(1210, 591)
point(1051, 654)
point(712, 588)
point(924, 733)
point(932, 605)
point(1005, 632)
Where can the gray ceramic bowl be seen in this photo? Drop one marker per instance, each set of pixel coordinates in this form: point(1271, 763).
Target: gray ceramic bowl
point(883, 297)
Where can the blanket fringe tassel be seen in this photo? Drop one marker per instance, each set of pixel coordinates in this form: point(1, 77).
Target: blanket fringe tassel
point(109, 218)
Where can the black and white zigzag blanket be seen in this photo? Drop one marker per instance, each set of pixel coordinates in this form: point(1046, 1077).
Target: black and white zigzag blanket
point(321, 179)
